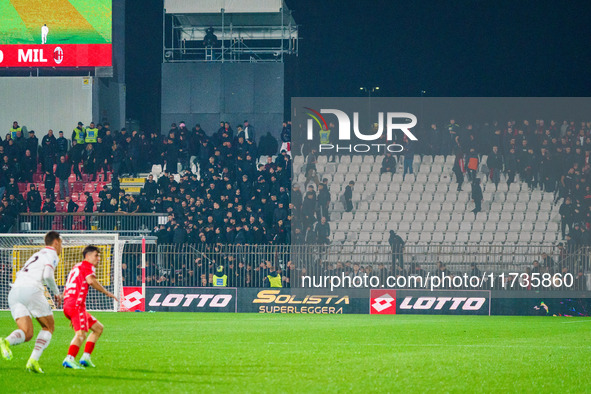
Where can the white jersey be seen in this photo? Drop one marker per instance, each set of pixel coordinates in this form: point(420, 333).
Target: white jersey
point(44, 30)
point(31, 275)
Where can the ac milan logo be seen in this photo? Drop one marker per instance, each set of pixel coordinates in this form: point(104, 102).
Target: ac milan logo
point(58, 55)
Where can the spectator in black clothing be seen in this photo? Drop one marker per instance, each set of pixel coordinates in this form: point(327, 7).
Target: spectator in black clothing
point(32, 144)
point(458, 168)
point(397, 245)
point(33, 199)
point(102, 154)
point(348, 196)
point(62, 145)
point(566, 216)
point(268, 145)
point(71, 207)
point(62, 173)
point(150, 187)
point(50, 184)
point(495, 166)
point(323, 231)
point(75, 157)
point(388, 164)
point(47, 154)
point(89, 161)
point(477, 195)
point(28, 167)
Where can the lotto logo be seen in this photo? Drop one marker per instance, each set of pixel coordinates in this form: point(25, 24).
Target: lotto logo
point(132, 299)
point(382, 302)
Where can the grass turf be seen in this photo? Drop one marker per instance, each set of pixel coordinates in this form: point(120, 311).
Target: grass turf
point(189, 352)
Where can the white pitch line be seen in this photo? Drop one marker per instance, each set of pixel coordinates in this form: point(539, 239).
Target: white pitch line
point(579, 321)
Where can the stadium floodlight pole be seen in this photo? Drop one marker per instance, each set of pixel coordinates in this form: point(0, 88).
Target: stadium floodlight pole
point(144, 267)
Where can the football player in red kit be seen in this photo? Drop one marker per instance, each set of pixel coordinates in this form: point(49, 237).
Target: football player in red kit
point(79, 280)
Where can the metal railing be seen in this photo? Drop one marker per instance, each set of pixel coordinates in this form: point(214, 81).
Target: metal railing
point(249, 265)
point(122, 223)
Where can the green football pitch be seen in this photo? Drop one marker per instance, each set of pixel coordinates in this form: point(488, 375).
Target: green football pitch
point(69, 21)
point(198, 352)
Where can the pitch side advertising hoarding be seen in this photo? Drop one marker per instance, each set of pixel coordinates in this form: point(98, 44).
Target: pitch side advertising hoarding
point(424, 302)
point(191, 299)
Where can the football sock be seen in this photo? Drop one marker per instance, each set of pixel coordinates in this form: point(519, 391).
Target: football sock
point(73, 351)
point(41, 343)
point(16, 337)
point(88, 348)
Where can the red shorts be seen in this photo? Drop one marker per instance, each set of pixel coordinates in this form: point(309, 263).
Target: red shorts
point(79, 318)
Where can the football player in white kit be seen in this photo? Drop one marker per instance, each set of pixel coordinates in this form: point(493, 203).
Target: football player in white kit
point(26, 299)
point(44, 33)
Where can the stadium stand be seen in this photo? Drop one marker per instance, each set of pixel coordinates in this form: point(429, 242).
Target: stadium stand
point(524, 178)
point(190, 170)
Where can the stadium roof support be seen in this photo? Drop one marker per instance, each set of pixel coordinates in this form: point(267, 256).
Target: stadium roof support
point(246, 31)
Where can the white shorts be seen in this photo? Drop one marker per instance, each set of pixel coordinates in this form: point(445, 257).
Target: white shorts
point(28, 301)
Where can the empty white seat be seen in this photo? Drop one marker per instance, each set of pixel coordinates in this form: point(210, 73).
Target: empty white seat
point(408, 216)
point(462, 237)
point(403, 226)
point(466, 226)
point(411, 206)
point(402, 197)
point(375, 206)
point(416, 226)
point(478, 225)
point(475, 237)
point(515, 226)
point(421, 216)
point(453, 227)
point(423, 206)
point(447, 207)
point(440, 197)
point(363, 206)
point(512, 237)
point(545, 206)
point(432, 216)
point(520, 207)
point(355, 225)
point(365, 169)
point(406, 187)
point(518, 216)
point(387, 206)
point(437, 237)
point(379, 226)
point(415, 196)
point(367, 226)
point(549, 236)
point(503, 226)
point(500, 237)
point(444, 216)
point(525, 237)
point(364, 236)
point(377, 236)
point(487, 237)
point(450, 237)
point(506, 216)
point(425, 237)
point(339, 236)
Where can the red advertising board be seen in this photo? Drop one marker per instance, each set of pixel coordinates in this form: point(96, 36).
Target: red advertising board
point(382, 302)
point(66, 55)
point(132, 299)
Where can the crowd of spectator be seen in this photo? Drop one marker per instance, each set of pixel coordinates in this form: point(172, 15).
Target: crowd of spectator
point(223, 195)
